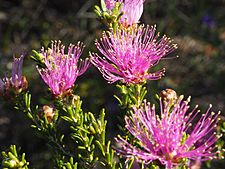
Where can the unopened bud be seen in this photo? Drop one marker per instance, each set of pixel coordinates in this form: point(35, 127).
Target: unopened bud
point(168, 95)
point(48, 112)
point(75, 100)
point(24, 83)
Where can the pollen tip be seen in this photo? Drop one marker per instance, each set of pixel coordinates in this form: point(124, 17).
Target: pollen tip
point(181, 97)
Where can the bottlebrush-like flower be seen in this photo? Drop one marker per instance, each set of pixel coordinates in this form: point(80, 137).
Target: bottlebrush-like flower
point(130, 53)
point(132, 10)
point(62, 68)
point(16, 82)
point(170, 136)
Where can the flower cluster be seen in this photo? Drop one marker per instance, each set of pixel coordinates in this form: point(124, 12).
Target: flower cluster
point(130, 53)
point(173, 137)
point(170, 137)
point(62, 68)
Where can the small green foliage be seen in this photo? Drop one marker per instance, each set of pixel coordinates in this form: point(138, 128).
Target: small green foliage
point(12, 159)
point(131, 95)
point(221, 142)
point(38, 58)
point(107, 17)
point(45, 124)
point(152, 165)
point(68, 165)
point(89, 133)
point(181, 167)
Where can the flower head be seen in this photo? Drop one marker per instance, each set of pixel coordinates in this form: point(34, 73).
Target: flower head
point(16, 82)
point(132, 10)
point(130, 53)
point(170, 136)
point(62, 68)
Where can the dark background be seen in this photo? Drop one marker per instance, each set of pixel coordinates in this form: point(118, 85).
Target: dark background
point(198, 27)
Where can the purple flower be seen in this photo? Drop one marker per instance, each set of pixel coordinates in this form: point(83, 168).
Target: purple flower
point(170, 137)
point(132, 10)
point(130, 53)
point(16, 82)
point(17, 72)
point(62, 68)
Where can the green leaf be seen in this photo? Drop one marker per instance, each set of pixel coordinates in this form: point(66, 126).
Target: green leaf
point(103, 5)
point(101, 147)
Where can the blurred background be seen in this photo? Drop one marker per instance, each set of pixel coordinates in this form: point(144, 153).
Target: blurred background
point(198, 27)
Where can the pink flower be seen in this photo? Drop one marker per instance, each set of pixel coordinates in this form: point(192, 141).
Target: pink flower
point(62, 68)
point(132, 10)
point(170, 137)
point(111, 3)
point(16, 79)
point(16, 82)
point(130, 53)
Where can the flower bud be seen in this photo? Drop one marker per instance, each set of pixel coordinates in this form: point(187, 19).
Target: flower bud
point(24, 84)
point(14, 85)
point(168, 95)
point(48, 112)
